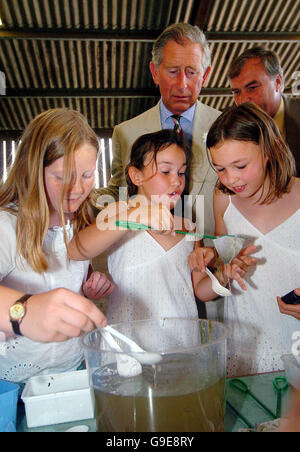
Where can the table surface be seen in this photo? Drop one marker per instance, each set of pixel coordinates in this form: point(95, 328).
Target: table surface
point(261, 385)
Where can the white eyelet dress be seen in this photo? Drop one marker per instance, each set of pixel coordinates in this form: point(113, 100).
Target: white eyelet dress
point(260, 333)
point(151, 282)
point(20, 357)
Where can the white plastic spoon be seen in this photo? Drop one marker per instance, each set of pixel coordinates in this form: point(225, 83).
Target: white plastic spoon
point(216, 286)
point(127, 366)
point(135, 350)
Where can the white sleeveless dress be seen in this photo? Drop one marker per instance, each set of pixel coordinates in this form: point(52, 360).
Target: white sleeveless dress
point(260, 333)
point(20, 357)
point(150, 282)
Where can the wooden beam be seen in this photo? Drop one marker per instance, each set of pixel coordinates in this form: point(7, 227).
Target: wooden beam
point(216, 36)
point(91, 93)
point(94, 93)
point(8, 135)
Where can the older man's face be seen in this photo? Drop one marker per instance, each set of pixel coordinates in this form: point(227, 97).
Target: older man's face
point(180, 75)
point(253, 84)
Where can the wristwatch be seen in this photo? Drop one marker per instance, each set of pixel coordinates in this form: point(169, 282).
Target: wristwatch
point(17, 312)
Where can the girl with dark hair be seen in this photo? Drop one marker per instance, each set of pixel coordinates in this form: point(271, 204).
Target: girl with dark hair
point(150, 269)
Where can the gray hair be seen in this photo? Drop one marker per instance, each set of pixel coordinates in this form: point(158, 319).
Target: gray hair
point(268, 58)
point(180, 33)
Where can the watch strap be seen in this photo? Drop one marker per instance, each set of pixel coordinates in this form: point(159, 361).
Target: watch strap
point(15, 323)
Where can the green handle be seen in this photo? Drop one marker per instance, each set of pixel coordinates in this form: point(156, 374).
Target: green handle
point(141, 227)
point(244, 388)
point(280, 384)
point(240, 385)
point(240, 416)
point(132, 225)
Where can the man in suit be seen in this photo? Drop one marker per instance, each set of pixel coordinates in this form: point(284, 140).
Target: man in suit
point(256, 76)
point(181, 62)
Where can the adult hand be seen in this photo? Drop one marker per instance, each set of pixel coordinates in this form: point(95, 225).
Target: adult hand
point(58, 315)
point(97, 286)
point(289, 309)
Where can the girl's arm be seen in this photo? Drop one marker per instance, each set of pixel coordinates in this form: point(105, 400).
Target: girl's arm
point(202, 286)
point(91, 241)
point(200, 257)
point(96, 238)
point(239, 266)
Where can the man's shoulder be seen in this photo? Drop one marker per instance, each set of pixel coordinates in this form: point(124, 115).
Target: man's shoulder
point(204, 117)
point(203, 108)
point(139, 119)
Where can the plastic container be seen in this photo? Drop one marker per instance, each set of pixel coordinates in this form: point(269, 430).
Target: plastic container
point(8, 406)
point(292, 370)
point(184, 392)
point(56, 398)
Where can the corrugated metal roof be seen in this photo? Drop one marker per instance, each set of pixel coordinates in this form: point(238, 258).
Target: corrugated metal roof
point(93, 55)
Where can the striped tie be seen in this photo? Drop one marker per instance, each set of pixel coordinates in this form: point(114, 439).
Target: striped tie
point(177, 126)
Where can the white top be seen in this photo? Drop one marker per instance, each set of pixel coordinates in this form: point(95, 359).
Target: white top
point(150, 282)
point(21, 358)
point(260, 333)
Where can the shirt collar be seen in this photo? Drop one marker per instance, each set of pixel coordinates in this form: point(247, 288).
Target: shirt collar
point(187, 114)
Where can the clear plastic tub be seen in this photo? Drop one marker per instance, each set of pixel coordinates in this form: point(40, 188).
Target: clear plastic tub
point(183, 392)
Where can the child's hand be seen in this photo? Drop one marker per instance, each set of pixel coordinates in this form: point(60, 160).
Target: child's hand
point(200, 257)
point(97, 286)
point(155, 215)
point(60, 314)
point(239, 266)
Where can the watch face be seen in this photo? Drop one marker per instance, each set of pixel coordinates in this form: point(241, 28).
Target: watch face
point(17, 311)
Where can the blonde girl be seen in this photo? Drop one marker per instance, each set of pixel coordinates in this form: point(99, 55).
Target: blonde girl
point(44, 201)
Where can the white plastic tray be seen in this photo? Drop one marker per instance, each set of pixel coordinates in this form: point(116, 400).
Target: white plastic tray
point(56, 398)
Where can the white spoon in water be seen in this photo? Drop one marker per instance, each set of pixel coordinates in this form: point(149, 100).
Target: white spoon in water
point(127, 366)
point(139, 353)
point(216, 286)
